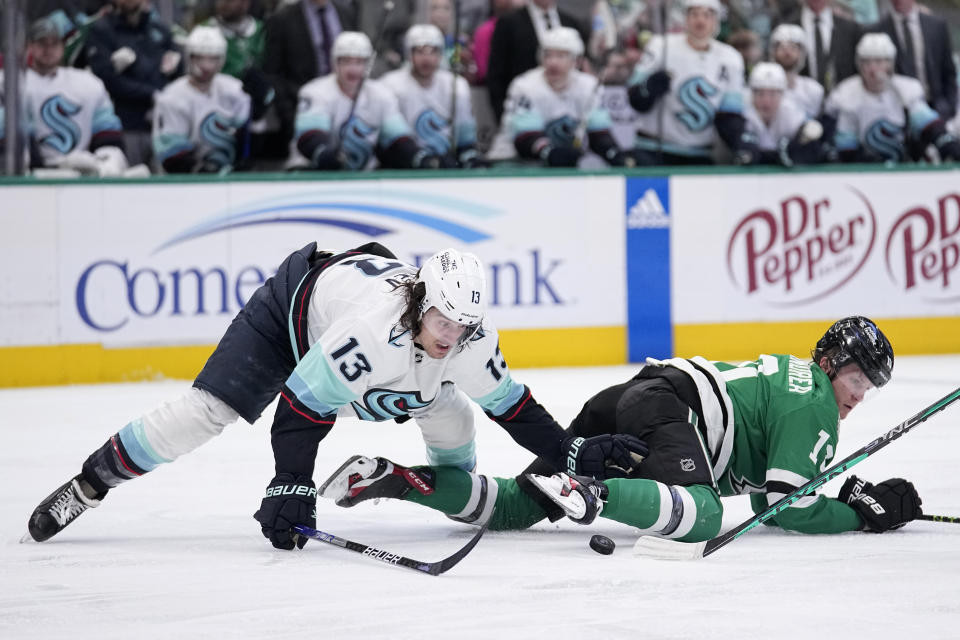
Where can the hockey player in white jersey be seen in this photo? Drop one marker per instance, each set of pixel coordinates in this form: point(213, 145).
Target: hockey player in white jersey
point(345, 121)
point(782, 132)
point(688, 88)
point(553, 112)
point(426, 94)
point(355, 334)
point(200, 120)
point(69, 110)
point(788, 48)
point(883, 117)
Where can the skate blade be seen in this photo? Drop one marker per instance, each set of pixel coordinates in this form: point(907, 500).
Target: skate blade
point(663, 549)
point(332, 488)
point(26, 538)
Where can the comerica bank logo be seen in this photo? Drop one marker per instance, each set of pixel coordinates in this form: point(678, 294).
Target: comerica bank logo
point(196, 277)
point(201, 281)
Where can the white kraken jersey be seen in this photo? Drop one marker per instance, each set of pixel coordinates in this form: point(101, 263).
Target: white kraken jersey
point(701, 84)
point(206, 123)
point(533, 105)
point(615, 101)
point(362, 363)
point(67, 110)
point(807, 94)
point(878, 122)
point(376, 121)
point(785, 124)
point(428, 109)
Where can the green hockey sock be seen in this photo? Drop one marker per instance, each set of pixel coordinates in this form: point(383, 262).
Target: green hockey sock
point(655, 508)
point(464, 496)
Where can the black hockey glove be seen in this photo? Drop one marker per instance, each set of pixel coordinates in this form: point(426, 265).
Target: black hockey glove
point(644, 95)
point(329, 159)
point(948, 147)
point(560, 156)
point(602, 457)
point(290, 500)
point(882, 507)
point(617, 158)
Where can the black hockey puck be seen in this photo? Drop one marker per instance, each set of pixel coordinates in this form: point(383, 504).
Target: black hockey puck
point(602, 544)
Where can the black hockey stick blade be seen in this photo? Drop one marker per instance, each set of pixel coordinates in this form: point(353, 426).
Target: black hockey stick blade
point(663, 549)
point(432, 568)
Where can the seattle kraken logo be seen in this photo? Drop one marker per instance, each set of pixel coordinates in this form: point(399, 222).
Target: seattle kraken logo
point(430, 127)
point(56, 113)
point(353, 138)
point(216, 133)
point(383, 404)
point(694, 95)
point(885, 139)
point(561, 131)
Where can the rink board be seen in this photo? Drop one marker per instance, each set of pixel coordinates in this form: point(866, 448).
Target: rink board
point(138, 280)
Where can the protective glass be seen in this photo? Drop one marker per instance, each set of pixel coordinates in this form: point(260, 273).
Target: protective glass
point(445, 329)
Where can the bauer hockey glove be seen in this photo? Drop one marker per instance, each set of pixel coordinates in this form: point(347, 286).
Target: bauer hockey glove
point(882, 507)
point(289, 500)
point(602, 457)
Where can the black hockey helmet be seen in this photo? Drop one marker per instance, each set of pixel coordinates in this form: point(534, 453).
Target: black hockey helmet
point(856, 339)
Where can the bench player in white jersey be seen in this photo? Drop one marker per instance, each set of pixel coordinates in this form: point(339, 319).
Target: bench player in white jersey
point(70, 111)
point(782, 132)
point(883, 117)
point(699, 89)
point(788, 49)
point(550, 109)
point(345, 121)
point(200, 120)
point(425, 93)
point(357, 334)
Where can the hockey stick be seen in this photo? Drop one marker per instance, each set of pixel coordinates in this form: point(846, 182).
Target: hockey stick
point(664, 16)
point(432, 568)
point(672, 550)
point(950, 519)
point(388, 6)
point(455, 68)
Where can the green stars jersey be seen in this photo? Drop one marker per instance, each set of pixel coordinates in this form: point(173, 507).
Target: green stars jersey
point(785, 421)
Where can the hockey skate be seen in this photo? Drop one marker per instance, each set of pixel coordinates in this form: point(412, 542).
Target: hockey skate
point(581, 498)
point(60, 508)
point(361, 478)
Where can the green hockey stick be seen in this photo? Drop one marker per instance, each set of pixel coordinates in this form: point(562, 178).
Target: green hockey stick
point(662, 548)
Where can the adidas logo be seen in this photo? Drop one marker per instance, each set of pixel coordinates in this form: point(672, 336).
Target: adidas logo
point(648, 213)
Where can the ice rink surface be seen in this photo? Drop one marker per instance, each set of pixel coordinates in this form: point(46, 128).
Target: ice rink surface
point(176, 554)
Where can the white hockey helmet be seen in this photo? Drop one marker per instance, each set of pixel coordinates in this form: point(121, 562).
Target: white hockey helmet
point(768, 75)
point(789, 33)
point(352, 44)
point(455, 284)
point(422, 35)
point(794, 34)
point(876, 46)
point(206, 41)
point(562, 39)
point(706, 4)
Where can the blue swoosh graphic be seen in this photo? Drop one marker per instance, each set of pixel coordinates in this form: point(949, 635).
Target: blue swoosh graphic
point(360, 227)
point(461, 232)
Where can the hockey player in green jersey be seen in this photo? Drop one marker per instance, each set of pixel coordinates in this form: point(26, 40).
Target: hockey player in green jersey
point(713, 429)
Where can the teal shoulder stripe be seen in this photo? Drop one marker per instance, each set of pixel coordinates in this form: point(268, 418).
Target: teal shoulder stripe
point(317, 386)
